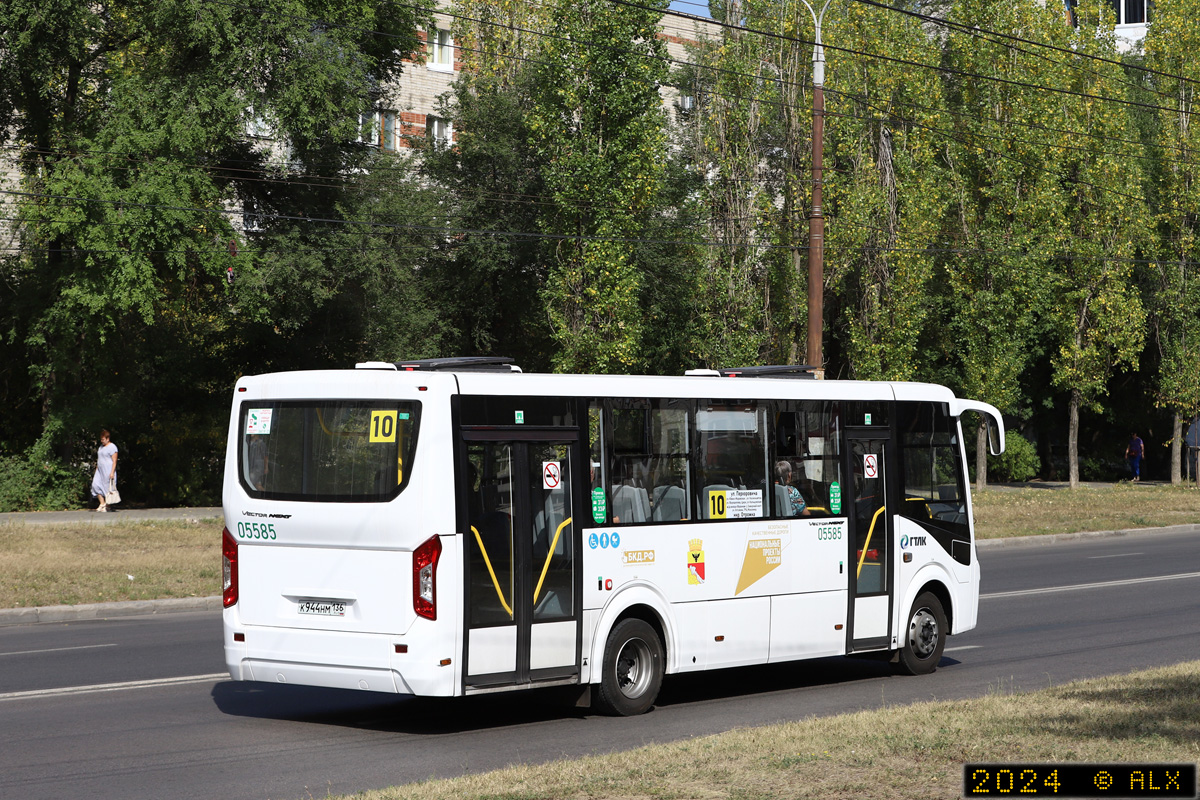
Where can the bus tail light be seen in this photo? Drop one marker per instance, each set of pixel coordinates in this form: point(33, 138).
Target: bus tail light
point(425, 559)
point(229, 553)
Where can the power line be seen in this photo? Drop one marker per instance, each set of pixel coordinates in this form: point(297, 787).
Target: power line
point(905, 62)
point(1025, 164)
point(849, 248)
point(805, 85)
point(888, 112)
point(447, 231)
point(975, 29)
point(719, 70)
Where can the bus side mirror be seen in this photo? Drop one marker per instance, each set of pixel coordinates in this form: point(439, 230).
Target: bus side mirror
point(991, 418)
point(995, 443)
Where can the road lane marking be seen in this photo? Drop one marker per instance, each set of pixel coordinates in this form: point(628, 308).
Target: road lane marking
point(962, 647)
point(115, 687)
point(1118, 555)
point(58, 649)
point(1100, 585)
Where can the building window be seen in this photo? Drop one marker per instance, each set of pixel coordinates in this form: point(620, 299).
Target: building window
point(389, 129)
point(379, 128)
point(257, 125)
point(252, 219)
point(1131, 12)
point(439, 130)
point(441, 50)
point(368, 124)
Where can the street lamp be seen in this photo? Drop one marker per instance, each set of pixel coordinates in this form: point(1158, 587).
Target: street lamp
point(816, 219)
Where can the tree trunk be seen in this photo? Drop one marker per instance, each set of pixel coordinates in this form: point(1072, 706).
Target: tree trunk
point(1176, 450)
point(1073, 441)
point(981, 454)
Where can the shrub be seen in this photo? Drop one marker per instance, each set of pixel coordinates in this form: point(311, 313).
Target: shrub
point(38, 481)
point(1018, 462)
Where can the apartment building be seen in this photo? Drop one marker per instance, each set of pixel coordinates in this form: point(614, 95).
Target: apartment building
point(406, 110)
point(410, 107)
point(1132, 19)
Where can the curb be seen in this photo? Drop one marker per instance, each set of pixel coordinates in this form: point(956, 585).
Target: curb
point(86, 611)
point(144, 608)
point(1038, 540)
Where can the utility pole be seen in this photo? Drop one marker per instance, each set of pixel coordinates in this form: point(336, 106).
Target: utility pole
point(816, 219)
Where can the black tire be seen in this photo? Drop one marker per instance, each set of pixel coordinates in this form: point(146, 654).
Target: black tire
point(632, 671)
point(924, 636)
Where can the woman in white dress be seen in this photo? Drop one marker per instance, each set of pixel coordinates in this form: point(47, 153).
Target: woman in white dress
point(106, 470)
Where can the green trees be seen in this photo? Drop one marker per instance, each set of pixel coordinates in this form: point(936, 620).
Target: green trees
point(597, 122)
point(1098, 319)
point(129, 120)
point(736, 88)
point(1002, 173)
point(1175, 286)
point(1001, 216)
point(887, 192)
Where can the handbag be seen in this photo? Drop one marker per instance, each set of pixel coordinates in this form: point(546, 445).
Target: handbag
point(112, 496)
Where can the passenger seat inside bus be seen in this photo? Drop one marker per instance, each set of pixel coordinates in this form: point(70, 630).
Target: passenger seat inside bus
point(630, 504)
point(670, 503)
point(783, 501)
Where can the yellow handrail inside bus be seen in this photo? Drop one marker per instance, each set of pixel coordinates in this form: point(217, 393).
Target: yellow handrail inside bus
point(492, 572)
point(546, 566)
point(928, 513)
point(870, 531)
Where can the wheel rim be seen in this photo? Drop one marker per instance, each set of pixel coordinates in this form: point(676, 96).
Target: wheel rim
point(923, 633)
point(634, 668)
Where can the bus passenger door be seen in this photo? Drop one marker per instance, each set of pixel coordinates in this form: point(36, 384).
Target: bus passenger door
point(870, 541)
point(522, 590)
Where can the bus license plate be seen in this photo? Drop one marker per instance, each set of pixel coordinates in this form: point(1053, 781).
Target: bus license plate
point(322, 608)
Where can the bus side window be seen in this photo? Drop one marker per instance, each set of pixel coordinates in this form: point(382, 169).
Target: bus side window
point(731, 473)
point(597, 459)
point(648, 462)
point(805, 436)
point(933, 487)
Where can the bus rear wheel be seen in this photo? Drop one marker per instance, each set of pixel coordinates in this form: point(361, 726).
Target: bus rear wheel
point(632, 671)
point(925, 637)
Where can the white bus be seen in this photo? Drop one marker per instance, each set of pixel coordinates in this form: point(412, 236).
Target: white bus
point(455, 526)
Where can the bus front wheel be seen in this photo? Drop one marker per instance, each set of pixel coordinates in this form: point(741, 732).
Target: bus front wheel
point(632, 670)
point(925, 637)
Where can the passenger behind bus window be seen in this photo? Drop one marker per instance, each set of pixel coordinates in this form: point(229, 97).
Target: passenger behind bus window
point(256, 455)
point(788, 500)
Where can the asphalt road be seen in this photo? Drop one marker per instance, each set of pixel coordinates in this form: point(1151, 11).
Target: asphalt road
point(138, 707)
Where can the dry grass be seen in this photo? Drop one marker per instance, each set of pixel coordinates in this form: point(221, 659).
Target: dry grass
point(1026, 512)
point(893, 754)
point(44, 565)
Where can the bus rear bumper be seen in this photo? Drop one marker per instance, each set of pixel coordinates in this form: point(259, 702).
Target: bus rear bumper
point(335, 660)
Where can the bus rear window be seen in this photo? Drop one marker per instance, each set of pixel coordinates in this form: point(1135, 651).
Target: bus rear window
point(333, 451)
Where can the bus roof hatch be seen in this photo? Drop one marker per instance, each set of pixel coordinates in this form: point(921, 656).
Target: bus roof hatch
point(765, 371)
point(455, 364)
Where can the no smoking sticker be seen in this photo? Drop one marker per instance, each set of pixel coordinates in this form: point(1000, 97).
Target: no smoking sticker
point(551, 475)
point(871, 465)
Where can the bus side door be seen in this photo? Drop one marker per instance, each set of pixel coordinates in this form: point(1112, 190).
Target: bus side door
point(522, 603)
point(871, 575)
